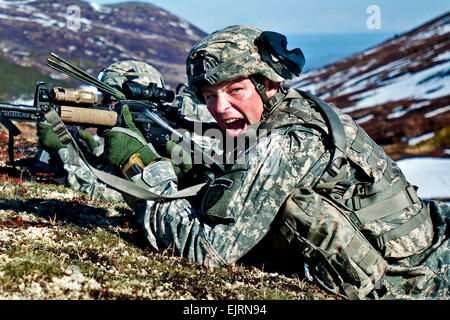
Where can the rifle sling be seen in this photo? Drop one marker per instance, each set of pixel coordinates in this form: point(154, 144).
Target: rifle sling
point(115, 182)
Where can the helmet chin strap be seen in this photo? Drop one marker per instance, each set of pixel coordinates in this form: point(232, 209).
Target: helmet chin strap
point(267, 103)
point(261, 88)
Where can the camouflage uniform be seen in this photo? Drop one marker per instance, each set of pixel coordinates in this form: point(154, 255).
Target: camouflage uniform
point(276, 194)
point(192, 110)
point(230, 227)
point(131, 70)
point(234, 217)
point(279, 192)
point(78, 175)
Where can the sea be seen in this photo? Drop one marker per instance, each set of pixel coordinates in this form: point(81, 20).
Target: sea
point(322, 49)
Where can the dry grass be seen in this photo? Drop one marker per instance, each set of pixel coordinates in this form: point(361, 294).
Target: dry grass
point(55, 243)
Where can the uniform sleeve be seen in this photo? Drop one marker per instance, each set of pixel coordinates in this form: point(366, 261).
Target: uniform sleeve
point(79, 177)
point(269, 173)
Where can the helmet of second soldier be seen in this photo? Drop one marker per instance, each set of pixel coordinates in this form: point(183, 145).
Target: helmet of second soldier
point(131, 70)
point(190, 108)
point(225, 55)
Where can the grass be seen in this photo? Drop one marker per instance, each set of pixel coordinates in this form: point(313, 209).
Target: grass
point(12, 84)
point(56, 243)
point(440, 140)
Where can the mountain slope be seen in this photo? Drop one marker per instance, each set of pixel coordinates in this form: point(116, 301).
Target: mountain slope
point(12, 80)
point(30, 30)
point(398, 91)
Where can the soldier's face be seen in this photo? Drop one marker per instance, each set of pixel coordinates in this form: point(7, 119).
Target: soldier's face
point(234, 104)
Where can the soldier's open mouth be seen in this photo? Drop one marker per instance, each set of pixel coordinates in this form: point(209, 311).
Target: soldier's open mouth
point(234, 127)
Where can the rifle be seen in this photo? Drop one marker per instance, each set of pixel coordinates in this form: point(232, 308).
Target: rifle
point(82, 108)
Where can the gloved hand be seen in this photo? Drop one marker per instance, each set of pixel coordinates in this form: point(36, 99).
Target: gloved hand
point(89, 140)
point(48, 139)
point(183, 161)
point(122, 142)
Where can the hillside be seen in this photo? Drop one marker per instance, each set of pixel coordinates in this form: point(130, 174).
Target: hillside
point(398, 91)
point(12, 84)
point(30, 30)
point(57, 244)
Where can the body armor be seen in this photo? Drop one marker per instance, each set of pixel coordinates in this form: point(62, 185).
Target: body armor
point(362, 191)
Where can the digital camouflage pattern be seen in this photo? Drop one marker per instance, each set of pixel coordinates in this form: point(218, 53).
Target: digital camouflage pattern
point(192, 109)
point(429, 279)
point(80, 177)
point(77, 174)
point(229, 54)
point(356, 258)
point(234, 217)
point(217, 238)
point(371, 187)
point(137, 71)
point(274, 188)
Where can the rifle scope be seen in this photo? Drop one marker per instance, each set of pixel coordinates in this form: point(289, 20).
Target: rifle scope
point(135, 91)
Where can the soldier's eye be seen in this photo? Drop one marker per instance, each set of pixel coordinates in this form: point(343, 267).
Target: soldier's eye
point(236, 89)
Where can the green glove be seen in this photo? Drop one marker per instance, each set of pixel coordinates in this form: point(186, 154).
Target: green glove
point(174, 150)
point(89, 140)
point(48, 139)
point(122, 143)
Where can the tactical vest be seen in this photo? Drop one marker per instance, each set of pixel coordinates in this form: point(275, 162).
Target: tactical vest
point(362, 190)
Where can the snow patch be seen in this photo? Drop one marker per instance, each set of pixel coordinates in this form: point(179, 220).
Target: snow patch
point(408, 86)
point(38, 18)
point(432, 31)
point(401, 112)
point(431, 175)
point(437, 111)
point(364, 119)
point(7, 4)
point(99, 8)
point(25, 9)
point(442, 57)
point(424, 137)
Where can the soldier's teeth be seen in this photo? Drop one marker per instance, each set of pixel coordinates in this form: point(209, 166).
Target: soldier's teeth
point(234, 132)
point(231, 120)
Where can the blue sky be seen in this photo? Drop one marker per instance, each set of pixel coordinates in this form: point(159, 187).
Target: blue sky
point(300, 16)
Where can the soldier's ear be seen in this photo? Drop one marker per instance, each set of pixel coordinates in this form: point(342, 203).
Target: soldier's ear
point(271, 87)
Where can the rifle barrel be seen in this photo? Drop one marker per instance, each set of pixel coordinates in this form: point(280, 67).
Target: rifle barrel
point(18, 112)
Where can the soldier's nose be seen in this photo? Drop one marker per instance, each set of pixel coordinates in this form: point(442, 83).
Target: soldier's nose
point(222, 104)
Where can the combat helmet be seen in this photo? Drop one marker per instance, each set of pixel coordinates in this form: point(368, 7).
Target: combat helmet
point(190, 108)
point(137, 71)
point(241, 52)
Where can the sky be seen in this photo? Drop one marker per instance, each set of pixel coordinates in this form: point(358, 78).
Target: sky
point(301, 16)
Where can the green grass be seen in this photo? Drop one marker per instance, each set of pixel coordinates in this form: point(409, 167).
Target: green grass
point(17, 81)
point(29, 262)
point(58, 244)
